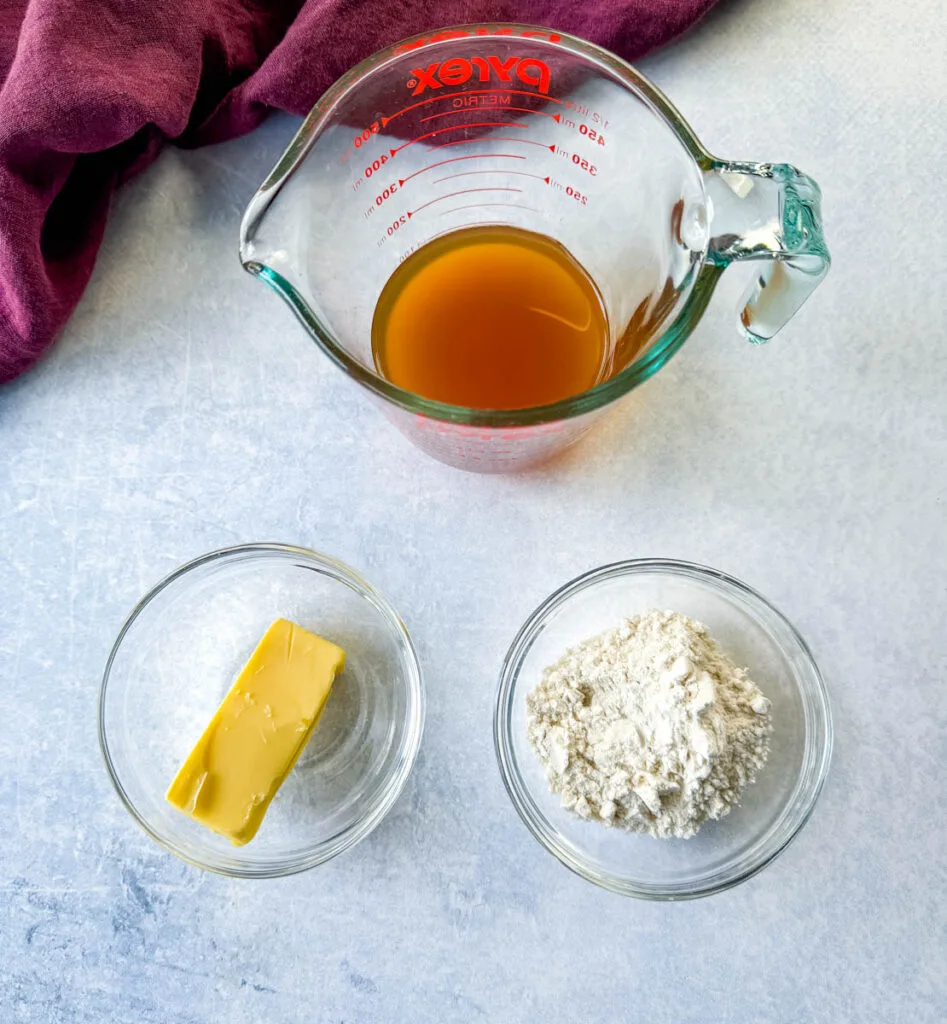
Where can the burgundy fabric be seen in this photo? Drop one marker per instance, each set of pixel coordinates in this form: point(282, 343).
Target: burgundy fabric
point(92, 88)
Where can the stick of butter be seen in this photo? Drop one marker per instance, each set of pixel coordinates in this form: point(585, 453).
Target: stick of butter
point(258, 732)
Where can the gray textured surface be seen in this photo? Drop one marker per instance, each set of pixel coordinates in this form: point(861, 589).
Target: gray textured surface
point(183, 410)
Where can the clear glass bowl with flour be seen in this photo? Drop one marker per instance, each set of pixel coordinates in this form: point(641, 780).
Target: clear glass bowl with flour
point(755, 636)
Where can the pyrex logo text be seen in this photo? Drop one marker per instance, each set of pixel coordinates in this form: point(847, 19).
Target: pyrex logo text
point(458, 70)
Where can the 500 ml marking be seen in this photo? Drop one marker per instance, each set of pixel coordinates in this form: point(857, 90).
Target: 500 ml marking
point(581, 108)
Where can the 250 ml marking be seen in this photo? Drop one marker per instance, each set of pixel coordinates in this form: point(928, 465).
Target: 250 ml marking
point(570, 191)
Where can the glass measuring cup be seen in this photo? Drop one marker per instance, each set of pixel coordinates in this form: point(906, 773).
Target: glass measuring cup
point(518, 125)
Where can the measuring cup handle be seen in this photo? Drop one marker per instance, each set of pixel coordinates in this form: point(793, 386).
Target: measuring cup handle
point(772, 213)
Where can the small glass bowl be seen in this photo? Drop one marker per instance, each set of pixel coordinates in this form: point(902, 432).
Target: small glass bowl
point(755, 635)
point(180, 651)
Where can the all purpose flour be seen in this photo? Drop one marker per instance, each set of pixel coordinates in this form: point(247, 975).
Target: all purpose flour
point(649, 727)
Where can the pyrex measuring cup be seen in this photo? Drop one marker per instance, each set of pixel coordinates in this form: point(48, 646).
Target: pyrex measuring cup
point(522, 126)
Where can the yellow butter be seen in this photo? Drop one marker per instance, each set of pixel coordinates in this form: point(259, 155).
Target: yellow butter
point(258, 732)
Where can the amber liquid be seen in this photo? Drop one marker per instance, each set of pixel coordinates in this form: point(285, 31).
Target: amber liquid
point(491, 318)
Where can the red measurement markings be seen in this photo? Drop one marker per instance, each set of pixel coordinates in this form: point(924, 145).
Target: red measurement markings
point(484, 206)
point(591, 134)
point(576, 159)
point(493, 138)
point(470, 110)
point(457, 159)
point(570, 191)
point(393, 227)
point(462, 192)
point(454, 128)
point(581, 108)
point(497, 170)
point(468, 92)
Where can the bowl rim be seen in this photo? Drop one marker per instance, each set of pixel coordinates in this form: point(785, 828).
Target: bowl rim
point(813, 771)
point(358, 830)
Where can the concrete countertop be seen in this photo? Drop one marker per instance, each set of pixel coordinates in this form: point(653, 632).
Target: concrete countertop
point(184, 410)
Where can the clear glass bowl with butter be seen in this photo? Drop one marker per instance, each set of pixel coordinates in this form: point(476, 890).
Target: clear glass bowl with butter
point(755, 636)
point(184, 645)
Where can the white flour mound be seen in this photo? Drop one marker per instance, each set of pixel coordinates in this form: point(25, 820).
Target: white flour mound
point(649, 727)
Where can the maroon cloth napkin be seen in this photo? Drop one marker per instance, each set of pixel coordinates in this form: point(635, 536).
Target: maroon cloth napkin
point(92, 88)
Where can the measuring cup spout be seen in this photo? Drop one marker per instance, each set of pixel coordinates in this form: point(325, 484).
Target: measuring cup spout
point(771, 213)
point(255, 248)
point(274, 235)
